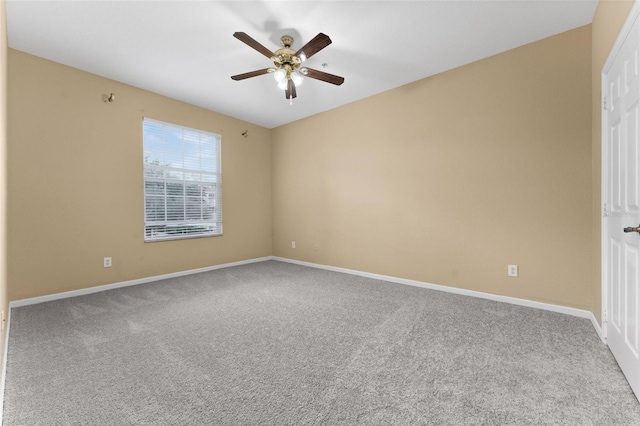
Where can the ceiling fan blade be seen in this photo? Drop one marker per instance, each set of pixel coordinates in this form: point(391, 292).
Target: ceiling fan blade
point(290, 93)
point(246, 39)
point(250, 74)
point(323, 76)
point(316, 44)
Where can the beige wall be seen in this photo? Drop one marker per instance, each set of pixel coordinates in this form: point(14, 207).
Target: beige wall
point(446, 180)
point(75, 182)
point(4, 304)
point(450, 179)
point(607, 23)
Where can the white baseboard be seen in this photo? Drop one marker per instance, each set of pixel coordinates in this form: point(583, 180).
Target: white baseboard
point(598, 327)
point(97, 289)
point(506, 299)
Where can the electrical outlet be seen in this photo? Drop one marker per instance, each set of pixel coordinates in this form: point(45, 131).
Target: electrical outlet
point(293, 244)
point(512, 270)
point(107, 262)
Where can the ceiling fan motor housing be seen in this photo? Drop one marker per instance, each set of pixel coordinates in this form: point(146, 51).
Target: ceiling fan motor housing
point(285, 57)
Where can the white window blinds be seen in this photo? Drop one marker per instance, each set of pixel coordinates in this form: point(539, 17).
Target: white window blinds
point(182, 182)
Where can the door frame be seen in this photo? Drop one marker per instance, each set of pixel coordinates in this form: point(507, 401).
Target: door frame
point(604, 165)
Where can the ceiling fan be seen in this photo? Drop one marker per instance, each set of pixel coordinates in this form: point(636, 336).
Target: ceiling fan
point(287, 69)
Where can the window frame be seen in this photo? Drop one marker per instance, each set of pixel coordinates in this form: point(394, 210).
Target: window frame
point(166, 178)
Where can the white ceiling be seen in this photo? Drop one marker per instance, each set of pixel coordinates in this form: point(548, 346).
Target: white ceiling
point(185, 49)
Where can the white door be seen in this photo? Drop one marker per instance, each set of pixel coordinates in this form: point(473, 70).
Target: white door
point(622, 208)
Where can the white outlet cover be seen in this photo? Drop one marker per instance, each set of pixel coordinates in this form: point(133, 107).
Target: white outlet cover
point(512, 270)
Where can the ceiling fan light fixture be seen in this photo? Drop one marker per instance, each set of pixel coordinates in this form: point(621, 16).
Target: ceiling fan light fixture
point(297, 78)
point(280, 75)
point(282, 85)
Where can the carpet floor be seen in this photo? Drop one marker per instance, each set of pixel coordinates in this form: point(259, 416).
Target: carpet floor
point(273, 343)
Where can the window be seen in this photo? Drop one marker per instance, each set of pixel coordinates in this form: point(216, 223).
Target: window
point(182, 182)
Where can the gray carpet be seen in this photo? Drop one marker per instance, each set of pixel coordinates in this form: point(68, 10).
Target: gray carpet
point(280, 344)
